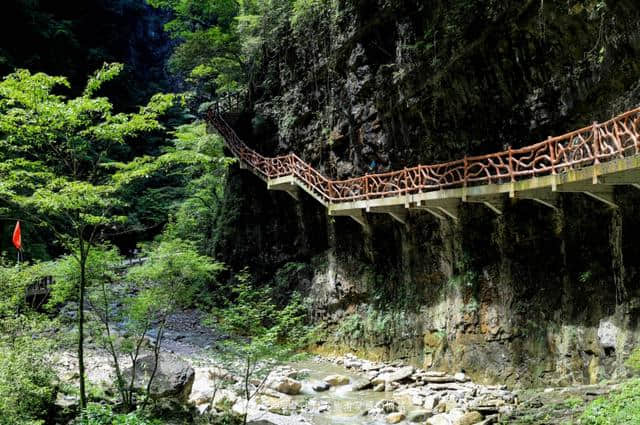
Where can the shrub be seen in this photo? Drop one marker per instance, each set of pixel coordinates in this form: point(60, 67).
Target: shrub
point(26, 382)
point(620, 407)
point(97, 414)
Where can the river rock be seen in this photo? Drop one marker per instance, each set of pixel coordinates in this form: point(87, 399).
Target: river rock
point(430, 402)
point(395, 417)
point(282, 405)
point(320, 386)
point(419, 415)
point(362, 385)
point(217, 373)
point(224, 398)
point(352, 363)
point(387, 406)
point(68, 402)
point(173, 378)
point(438, 379)
point(470, 418)
point(379, 388)
point(337, 380)
point(441, 419)
point(285, 385)
point(417, 399)
point(461, 377)
point(397, 375)
point(446, 405)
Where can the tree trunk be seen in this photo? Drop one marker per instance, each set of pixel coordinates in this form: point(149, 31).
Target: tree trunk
point(83, 264)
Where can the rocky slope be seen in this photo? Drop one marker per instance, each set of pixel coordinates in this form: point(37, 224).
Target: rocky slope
point(534, 296)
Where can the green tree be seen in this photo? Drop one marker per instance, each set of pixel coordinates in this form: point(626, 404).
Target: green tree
point(261, 334)
point(191, 173)
point(218, 42)
point(55, 151)
point(177, 265)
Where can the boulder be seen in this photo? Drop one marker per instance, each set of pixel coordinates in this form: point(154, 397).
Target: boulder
point(419, 415)
point(285, 385)
point(378, 388)
point(337, 380)
point(470, 418)
point(395, 417)
point(173, 377)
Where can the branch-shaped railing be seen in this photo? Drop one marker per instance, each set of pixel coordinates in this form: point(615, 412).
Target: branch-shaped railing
point(616, 138)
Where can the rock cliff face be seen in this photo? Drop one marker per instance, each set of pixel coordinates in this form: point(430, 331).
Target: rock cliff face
point(534, 296)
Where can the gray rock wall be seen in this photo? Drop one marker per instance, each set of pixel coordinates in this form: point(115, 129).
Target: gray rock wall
point(534, 296)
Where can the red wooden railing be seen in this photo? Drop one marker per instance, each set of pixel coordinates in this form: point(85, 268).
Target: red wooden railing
point(616, 138)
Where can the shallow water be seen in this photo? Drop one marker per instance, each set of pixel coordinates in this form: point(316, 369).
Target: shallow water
point(345, 405)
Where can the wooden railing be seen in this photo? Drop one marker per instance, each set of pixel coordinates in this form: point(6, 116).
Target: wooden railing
point(616, 138)
point(41, 286)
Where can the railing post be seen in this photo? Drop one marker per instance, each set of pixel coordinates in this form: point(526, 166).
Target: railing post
point(617, 141)
point(366, 186)
point(596, 142)
point(406, 180)
point(512, 176)
point(465, 172)
point(552, 155)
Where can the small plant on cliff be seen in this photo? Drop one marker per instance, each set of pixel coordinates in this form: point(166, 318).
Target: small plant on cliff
point(350, 328)
point(634, 360)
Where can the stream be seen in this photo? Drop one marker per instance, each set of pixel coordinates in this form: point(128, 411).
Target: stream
point(404, 394)
point(345, 406)
point(187, 338)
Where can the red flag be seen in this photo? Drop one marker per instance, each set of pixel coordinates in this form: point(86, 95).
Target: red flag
point(17, 237)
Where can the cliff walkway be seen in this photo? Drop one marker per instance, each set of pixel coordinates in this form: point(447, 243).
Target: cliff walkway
point(591, 160)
